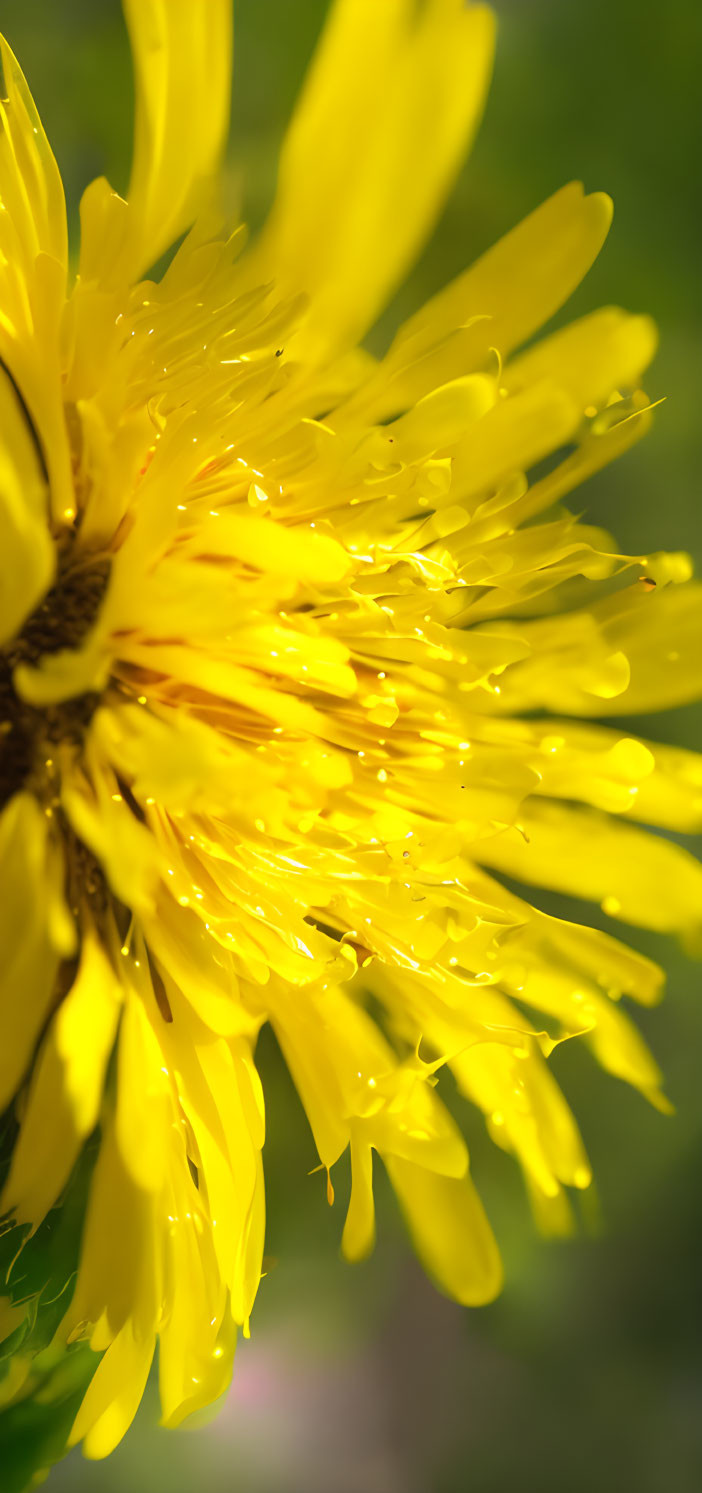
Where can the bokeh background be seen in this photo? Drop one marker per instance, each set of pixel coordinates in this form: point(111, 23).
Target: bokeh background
point(586, 1374)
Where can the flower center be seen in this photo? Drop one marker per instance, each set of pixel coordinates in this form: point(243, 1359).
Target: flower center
point(60, 621)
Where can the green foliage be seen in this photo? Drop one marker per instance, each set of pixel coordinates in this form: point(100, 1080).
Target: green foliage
point(33, 1431)
point(38, 1272)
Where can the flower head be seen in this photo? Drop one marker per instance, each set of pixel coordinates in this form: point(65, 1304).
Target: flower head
point(298, 658)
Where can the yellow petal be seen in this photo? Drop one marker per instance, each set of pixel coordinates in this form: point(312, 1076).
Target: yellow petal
point(199, 976)
point(577, 1002)
point(66, 674)
point(347, 230)
point(197, 1335)
point(639, 649)
point(124, 848)
point(660, 633)
point(635, 876)
point(656, 784)
point(518, 284)
point(268, 546)
point(35, 933)
point(33, 262)
point(515, 1089)
point(66, 1088)
point(553, 1214)
point(30, 183)
point(120, 1271)
point(25, 543)
point(596, 448)
point(144, 1107)
point(113, 1395)
point(450, 1231)
point(604, 351)
point(182, 64)
point(249, 1263)
point(512, 436)
point(359, 1229)
point(441, 417)
point(308, 1059)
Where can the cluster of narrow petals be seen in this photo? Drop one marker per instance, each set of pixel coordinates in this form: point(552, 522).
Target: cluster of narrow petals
point(300, 654)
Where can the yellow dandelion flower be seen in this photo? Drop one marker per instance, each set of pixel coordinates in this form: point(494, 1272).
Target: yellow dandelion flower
point(299, 653)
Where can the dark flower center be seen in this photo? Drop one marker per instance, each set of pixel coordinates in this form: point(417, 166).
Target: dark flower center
point(61, 620)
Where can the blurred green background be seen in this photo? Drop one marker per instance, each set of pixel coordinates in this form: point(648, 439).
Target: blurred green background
point(586, 1374)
